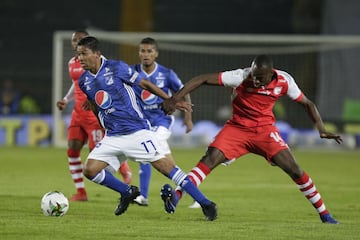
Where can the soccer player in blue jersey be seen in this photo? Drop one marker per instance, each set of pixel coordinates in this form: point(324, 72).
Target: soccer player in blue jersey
point(108, 85)
point(167, 80)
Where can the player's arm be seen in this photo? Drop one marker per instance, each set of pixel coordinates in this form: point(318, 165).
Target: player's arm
point(145, 84)
point(188, 115)
point(191, 85)
point(61, 104)
point(194, 83)
point(315, 116)
point(90, 105)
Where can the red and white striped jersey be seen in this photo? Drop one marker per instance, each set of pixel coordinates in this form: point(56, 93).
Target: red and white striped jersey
point(75, 71)
point(253, 106)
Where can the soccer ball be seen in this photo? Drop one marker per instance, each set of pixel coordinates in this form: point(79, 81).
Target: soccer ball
point(54, 204)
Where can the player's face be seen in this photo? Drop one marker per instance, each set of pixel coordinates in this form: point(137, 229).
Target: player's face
point(261, 76)
point(76, 37)
point(147, 54)
point(89, 60)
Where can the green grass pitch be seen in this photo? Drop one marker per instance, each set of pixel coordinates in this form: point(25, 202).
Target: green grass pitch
point(255, 200)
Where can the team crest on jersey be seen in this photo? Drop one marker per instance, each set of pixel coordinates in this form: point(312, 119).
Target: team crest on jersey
point(277, 90)
point(107, 71)
point(87, 81)
point(103, 99)
point(160, 80)
point(109, 80)
point(147, 97)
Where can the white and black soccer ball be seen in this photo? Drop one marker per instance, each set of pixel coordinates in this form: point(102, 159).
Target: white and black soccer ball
point(54, 204)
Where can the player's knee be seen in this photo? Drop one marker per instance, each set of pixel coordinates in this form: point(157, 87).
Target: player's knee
point(90, 171)
point(75, 145)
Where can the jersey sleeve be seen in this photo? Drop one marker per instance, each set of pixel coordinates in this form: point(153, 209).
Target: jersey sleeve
point(232, 78)
point(70, 95)
point(175, 82)
point(294, 91)
point(128, 74)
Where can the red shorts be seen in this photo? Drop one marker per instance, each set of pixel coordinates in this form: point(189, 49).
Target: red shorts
point(235, 141)
point(85, 127)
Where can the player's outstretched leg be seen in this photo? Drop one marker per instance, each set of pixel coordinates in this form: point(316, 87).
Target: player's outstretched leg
point(308, 188)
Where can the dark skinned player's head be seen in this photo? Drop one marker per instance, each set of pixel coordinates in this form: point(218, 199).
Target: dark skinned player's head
point(261, 70)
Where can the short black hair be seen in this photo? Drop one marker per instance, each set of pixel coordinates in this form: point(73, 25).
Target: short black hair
point(262, 61)
point(151, 41)
point(90, 42)
point(81, 31)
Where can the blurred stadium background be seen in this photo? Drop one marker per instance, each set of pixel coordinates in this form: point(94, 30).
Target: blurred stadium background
point(317, 42)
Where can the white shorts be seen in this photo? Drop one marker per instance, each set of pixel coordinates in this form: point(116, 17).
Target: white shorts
point(163, 134)
point(141, 146)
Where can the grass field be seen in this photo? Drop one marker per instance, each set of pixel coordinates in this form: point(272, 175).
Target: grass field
point(255, 200)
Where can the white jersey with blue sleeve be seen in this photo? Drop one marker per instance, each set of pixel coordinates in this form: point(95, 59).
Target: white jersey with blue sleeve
point(112, 92)
point(165, 79)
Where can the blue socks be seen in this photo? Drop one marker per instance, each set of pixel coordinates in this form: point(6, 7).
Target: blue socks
point(144, 175)
point(181, 179)
point(105, 178)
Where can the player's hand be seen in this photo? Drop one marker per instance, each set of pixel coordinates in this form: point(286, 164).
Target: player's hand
point(168, 106)
point(184, 106)
point(188, 124)
point(328, 135)
point(61, 105)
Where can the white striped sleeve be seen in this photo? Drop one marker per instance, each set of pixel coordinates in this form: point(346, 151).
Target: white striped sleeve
point(232, 78)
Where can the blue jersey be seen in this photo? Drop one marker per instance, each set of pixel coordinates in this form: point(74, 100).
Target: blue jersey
point(169, 82)
point(111, 89)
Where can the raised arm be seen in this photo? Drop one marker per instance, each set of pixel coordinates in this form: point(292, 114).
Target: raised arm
point(194, 83)
point(314, 115)
point(205, 79)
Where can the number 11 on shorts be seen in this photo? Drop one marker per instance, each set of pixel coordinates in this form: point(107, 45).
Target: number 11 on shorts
point(148, 144)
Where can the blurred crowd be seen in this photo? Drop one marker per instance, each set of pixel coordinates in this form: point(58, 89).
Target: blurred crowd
point(14, 101)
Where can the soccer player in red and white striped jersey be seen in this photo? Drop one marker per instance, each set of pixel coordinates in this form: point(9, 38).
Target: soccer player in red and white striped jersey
point(251, 129)
point(84, 126)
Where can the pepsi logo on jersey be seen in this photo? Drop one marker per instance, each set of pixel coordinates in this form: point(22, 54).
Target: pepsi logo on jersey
point(103, 99)
point(147, 97)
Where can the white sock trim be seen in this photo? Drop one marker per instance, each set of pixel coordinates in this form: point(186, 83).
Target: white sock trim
point(99, 178)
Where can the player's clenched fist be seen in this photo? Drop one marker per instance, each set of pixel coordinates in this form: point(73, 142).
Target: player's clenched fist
point(61, 105)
